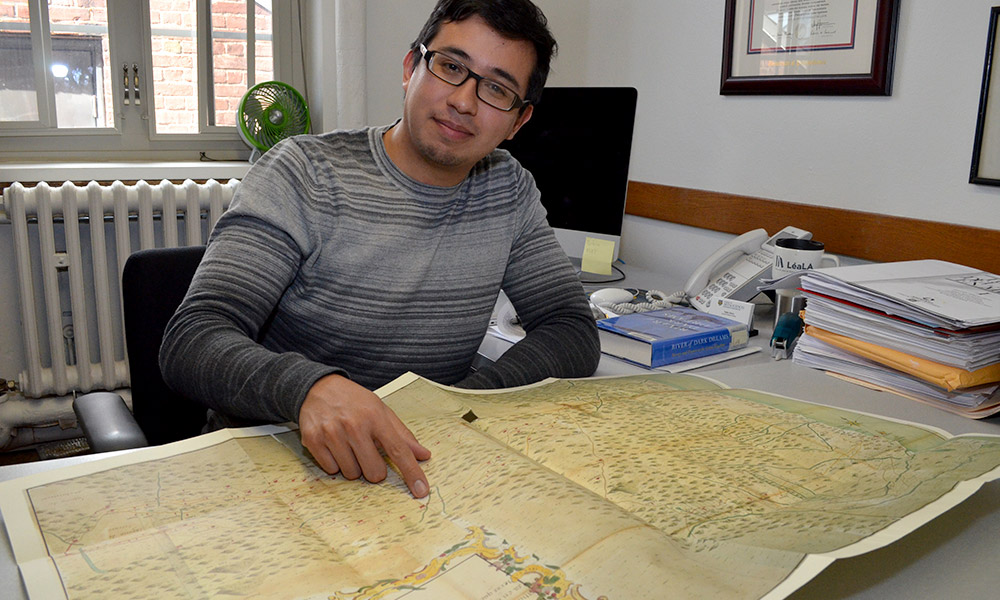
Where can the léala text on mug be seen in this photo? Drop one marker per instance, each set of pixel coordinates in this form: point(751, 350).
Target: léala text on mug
point(792, 255)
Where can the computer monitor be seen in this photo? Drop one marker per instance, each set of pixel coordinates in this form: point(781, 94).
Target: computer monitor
point(577, 145)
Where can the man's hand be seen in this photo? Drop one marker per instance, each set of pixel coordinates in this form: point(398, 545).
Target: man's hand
point(344, 425)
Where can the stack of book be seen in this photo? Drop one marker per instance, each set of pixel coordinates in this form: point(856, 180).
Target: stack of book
point(928, 330)
point(671, 335)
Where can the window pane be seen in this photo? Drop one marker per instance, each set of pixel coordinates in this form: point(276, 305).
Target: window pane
point(18, 101)
point(80, 56)
point(229, 59)
point(264, 47)
point(175, 65)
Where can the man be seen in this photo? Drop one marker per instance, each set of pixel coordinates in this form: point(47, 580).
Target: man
point(349, 258)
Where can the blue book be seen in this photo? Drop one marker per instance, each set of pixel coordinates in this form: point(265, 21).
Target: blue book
point(670, 335)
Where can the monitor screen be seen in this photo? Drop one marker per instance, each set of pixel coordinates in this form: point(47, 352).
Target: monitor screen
point(577, 145)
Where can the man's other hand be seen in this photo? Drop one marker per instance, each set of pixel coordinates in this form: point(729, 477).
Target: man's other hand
point(344, 425)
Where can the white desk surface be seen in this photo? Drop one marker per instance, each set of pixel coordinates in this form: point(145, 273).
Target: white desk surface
point(953, 556)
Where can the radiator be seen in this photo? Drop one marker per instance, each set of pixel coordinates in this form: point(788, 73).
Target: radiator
point(70, 244)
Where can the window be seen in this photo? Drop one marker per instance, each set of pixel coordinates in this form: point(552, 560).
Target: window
point(135, 79)
point(78, 84)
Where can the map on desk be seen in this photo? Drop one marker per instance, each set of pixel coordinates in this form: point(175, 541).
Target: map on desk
point(652, 486)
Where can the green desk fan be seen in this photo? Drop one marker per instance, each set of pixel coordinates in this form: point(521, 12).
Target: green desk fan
point(270, 112)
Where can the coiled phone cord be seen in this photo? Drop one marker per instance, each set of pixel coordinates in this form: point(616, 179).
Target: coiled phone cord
point(655, 300)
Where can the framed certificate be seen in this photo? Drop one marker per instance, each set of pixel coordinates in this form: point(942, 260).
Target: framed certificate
point(986, 150)
point(827, 47)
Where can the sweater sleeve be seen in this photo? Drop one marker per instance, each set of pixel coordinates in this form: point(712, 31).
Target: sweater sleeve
point(561, 335)
point(210, 351)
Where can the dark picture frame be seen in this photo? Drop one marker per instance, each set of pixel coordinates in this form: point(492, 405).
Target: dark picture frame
point(986, 148)
point(877, 54)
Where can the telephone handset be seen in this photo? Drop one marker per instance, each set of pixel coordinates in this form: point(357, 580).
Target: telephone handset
point(735, 270)
point(748, 243)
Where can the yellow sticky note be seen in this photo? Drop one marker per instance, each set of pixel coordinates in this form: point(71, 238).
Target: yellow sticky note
point(597, 256)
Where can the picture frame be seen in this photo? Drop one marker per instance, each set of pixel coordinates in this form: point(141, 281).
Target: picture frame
point(824, 47)
point(986, 148)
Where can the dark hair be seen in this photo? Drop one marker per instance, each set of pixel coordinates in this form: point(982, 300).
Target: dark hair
point(512, 19)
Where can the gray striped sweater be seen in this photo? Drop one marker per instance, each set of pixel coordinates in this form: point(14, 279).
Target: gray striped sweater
point(331, 260)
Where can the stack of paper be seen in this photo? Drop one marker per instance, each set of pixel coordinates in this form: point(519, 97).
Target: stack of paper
point(928, 330)
point(964, 349)
point(932, 292)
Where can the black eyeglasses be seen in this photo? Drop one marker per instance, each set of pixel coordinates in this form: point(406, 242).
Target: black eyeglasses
point(451, 70)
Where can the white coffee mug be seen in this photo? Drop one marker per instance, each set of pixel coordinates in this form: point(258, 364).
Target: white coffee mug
point(792, 255)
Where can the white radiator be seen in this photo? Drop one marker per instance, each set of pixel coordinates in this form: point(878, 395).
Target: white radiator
point(71, 243)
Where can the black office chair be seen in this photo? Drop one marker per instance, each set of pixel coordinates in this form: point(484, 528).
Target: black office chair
point(154, 282)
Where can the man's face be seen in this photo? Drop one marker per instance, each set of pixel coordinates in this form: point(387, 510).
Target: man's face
point(447, 129)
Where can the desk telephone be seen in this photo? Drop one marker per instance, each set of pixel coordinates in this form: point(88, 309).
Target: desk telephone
point(733, 271)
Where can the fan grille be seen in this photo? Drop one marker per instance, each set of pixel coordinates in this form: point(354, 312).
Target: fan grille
point(270, 112)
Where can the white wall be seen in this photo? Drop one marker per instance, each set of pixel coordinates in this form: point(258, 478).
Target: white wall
point(394, 24)
point(906, 155)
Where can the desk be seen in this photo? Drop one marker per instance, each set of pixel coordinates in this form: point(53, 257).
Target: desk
point(952, 556)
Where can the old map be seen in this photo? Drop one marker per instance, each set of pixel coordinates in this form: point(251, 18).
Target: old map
point(632, 487)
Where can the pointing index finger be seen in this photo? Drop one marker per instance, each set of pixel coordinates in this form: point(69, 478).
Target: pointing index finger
point(402, 455)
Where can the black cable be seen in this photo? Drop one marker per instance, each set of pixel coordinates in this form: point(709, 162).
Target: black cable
point(605, 281)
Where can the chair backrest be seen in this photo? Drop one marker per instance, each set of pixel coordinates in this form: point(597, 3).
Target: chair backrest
point(153, 284)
